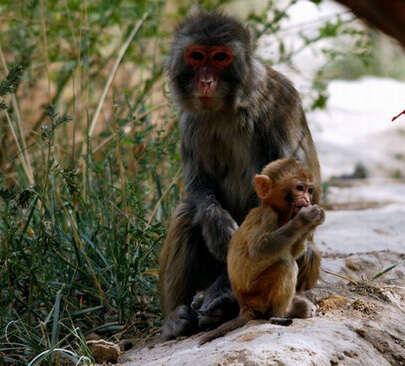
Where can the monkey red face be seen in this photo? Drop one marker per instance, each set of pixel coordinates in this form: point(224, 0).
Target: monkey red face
point(207, 62)
point(302, 194)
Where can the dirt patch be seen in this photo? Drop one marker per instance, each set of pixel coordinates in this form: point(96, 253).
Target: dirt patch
point(249, 336)
point(332, 303)
point(365, 307)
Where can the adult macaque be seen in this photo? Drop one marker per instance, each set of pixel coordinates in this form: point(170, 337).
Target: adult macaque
point(262, 253)
point(236, 116)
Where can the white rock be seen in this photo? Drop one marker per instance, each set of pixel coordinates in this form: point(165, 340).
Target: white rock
point(371, 334)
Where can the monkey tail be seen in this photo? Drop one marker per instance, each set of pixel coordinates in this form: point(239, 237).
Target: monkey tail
point(223, 329)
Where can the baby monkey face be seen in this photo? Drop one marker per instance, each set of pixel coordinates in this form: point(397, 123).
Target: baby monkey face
point(301, 193)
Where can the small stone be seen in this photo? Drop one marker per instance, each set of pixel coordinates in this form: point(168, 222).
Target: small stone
point(104, 351)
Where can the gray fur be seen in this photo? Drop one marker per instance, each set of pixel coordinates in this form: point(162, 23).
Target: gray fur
point(222, 150)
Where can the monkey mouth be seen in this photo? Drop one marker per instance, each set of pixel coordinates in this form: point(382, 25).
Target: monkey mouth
point(208, 103)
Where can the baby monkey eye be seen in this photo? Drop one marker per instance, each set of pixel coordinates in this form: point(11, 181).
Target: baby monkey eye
point(220, 56)
point(310, 190)
point(300, 187)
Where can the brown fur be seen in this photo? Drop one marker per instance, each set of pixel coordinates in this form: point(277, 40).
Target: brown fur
point(180, 278)
point(262, 254)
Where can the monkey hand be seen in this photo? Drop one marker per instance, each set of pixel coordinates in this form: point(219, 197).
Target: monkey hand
point(182, 321)
point(311, 215)
point(216, 309)
point(217, 229)
point(198, 300)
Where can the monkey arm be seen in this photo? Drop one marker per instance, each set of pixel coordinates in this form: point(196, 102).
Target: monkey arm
point(278, 243)
point(216, 223)
point(217, 228)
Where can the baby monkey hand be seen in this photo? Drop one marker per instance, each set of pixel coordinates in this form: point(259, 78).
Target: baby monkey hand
point(311, 215)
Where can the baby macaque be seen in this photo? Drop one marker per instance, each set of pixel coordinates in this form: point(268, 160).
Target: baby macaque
point(262, 254)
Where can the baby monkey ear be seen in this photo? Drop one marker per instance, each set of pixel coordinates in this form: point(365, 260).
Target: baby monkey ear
point(263, 186)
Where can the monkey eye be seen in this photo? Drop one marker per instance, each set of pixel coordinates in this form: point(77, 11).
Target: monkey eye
point(300, 187)
point(197, 56)
point(220, 56)
point(310, 190)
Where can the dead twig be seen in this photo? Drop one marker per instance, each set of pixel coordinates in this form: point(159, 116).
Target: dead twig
point(351, 280)
point(398, 115)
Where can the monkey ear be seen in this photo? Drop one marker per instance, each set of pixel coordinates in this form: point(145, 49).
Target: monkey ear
point(263, 186)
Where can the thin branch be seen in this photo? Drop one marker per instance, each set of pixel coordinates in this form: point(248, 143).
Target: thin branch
point(114, 70)
point(351, 280)
point(398, 115)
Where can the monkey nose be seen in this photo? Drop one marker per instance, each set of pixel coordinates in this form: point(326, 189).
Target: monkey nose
point(207, 82)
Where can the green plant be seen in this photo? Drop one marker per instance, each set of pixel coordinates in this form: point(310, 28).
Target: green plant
point(78, 243)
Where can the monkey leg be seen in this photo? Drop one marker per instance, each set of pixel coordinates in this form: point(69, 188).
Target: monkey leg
point(278, 283)
point(186, 266)
point(309, 265)
point(282, 282)
point(271, 294)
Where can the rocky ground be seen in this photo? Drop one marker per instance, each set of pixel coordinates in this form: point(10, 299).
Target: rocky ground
point(361, 294)
point(361, 318)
